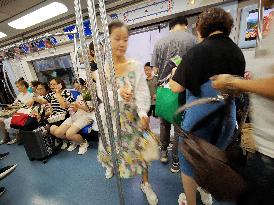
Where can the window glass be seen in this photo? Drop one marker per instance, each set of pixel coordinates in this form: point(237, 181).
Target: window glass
point(57, 66)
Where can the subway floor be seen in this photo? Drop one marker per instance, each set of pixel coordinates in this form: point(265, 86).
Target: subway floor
point(71, 179)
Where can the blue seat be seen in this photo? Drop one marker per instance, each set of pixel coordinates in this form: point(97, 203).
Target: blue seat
point(75, 94)
point(86, 130)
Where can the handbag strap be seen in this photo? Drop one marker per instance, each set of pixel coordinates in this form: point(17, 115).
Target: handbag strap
point(201, 101)
point(217, 99)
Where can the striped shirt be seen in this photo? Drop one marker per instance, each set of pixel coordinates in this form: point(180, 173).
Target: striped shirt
point(55, 105)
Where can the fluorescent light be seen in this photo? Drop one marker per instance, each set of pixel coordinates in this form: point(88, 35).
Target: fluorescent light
point(39, 15)
point(2, 35)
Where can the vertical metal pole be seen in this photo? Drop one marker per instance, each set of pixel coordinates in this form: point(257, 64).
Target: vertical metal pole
point(76, 70)
point(91, 85)
point(108, 53)
point(107, 107)
point(260, 22)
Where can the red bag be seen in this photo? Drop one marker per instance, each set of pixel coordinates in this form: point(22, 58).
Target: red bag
point(23, 122)
point(19, 120)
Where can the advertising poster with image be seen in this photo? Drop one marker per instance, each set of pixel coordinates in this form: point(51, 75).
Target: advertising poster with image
point(252, 23)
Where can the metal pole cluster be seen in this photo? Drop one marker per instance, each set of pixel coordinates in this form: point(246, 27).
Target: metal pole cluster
point(103, 58)
point(91, 85)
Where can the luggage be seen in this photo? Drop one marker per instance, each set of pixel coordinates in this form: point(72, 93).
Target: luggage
point(39, 145)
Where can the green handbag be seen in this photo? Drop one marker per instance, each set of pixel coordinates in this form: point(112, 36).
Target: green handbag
point(167, 103)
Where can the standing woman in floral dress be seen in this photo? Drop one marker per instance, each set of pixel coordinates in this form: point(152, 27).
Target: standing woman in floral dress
point(134, 103)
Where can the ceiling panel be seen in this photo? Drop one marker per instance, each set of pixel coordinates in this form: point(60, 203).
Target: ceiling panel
point(18, 8)
point(15, 7)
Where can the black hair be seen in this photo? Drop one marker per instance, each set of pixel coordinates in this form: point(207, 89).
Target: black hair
point(35, 83)
point(23, 82)
point(59, 81)
point(179, 20)
point(148, 64)
point(46, 86)
point(20, 79)
point(116, 24)
point(82, 81)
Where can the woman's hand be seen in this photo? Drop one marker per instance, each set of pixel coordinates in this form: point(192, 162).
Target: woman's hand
point(145, 123)
point(74, 106)
point(30, 103)
point(126, 93)
point(58, 89)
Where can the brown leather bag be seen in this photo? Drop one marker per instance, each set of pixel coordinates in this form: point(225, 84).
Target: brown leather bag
point(214, 169)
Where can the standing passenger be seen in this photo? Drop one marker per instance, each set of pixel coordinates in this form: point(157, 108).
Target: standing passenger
point(134, 103)
point(216, 54)
point(176, 43)
point(152, 85)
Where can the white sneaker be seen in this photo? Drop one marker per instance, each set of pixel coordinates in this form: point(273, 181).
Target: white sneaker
point(182, 199)
point(72, 146)
point(150, 194)
point(12, 141)
point(109, 173)
point(65, 144)
point(205, 197)
point(83, 147)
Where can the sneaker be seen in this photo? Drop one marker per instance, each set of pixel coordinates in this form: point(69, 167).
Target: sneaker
point(72, 146)
point(175, 167)
point(182, 199)
point(65, 144)
point(4, 172)
point(2, 191)
point(205, 197)
point(170, 146)
point(109, 173)
point(83, 147)
point(2, 142)
point(164, 157)
point(150, 194)
point(2, 156)
point(12, 142)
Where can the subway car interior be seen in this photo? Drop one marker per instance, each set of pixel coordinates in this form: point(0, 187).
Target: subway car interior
point(136, 102)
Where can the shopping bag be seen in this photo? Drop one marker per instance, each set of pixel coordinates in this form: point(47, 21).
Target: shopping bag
point(167, 103)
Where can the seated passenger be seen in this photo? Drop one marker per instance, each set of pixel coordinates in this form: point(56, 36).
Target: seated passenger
point(33, 86)
point(23, 97)
point(42, 90)
point(59, 100)
point(79, 118)
point(79, 85)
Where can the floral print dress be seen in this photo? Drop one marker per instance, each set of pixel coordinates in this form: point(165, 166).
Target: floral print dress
point(130, 160)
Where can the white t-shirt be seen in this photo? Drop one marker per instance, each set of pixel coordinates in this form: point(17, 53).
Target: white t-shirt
point(24, 98)
point(263, 108)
